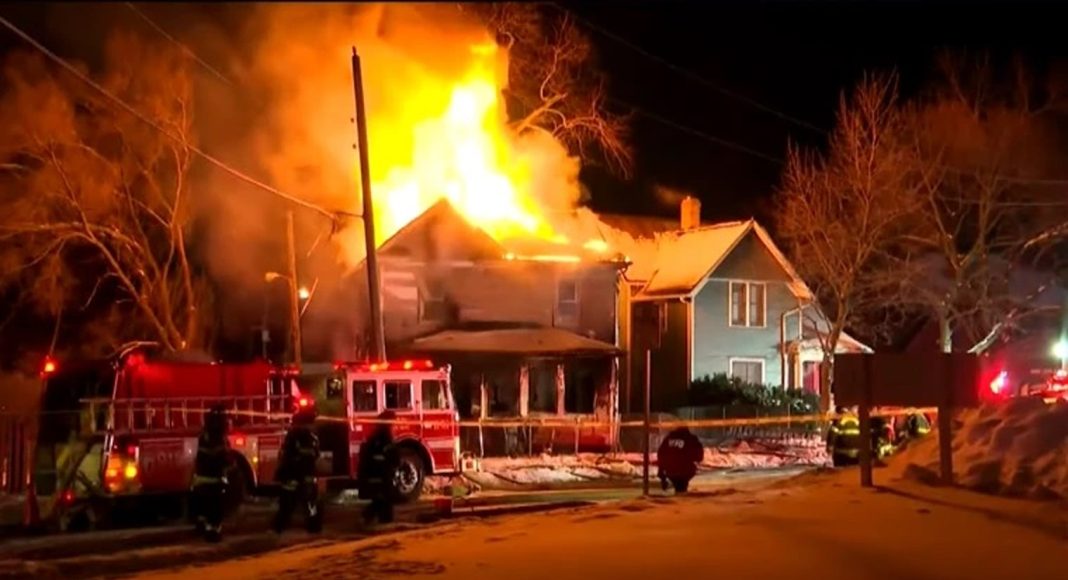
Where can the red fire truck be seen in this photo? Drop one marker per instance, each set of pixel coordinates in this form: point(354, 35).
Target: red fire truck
point(350, 397)
point(119, 435)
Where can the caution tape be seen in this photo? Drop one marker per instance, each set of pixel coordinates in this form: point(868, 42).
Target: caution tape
point(563, 423)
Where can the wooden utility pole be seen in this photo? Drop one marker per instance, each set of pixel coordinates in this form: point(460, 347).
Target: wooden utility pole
point(374, 294)
point(294, 289)
point(646, 430)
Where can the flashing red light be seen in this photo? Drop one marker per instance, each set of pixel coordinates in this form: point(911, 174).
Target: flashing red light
point(999, 383)
point(303, 403)
point(131, 450)
point(67, 497)
point(407, 365)
point(49, 366)
point(239, 441)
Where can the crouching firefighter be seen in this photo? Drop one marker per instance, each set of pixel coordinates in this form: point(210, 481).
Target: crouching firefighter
point(377, 470)
point(209, 478)
point(296, 474)
point(677, 459)
point(843, 438)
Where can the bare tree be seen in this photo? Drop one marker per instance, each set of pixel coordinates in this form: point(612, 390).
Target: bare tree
point(554, 84)
point(980, 145)
point(842, 215)
point(95, 200)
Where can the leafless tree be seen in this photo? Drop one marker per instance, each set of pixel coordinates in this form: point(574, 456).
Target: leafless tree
point(95, 201)
point(554, 84)
point(981, 144)
point(841, 215)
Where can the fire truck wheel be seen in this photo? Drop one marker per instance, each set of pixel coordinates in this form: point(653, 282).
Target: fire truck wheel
point(410, 474)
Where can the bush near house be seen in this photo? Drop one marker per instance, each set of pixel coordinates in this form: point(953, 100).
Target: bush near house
point(719, 390)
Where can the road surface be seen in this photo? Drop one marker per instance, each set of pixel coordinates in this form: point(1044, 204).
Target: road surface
point(821, 526)
point(132, 550)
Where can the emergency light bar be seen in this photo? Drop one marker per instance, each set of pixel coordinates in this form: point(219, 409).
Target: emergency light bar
point(405, 365)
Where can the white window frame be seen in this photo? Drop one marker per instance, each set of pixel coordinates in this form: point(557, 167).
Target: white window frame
point(742, 359)
point(730, 303)
point(576, 302)
point(425, 295)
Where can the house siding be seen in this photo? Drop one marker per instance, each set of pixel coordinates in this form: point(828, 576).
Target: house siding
point(715, 341)
point(671, 365)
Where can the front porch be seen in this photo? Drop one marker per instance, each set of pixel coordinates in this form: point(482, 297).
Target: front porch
point(510, 380)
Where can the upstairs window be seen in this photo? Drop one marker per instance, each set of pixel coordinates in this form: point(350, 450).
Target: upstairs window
point(748, 304)
point(567, 299)
point(432, 304)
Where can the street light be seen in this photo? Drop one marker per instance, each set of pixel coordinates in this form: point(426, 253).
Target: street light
point(1060, 350)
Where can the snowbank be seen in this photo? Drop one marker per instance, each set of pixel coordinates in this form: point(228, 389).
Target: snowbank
point(1018, 448)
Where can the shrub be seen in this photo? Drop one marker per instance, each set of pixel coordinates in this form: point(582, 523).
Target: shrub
point(721, 390)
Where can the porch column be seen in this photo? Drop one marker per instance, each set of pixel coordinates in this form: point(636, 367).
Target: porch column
point(524, 390)
point(613, 404)
point(560, 407)
point(483, 399)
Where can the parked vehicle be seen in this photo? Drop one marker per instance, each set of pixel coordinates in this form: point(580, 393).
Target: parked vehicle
point(351, 396)
point(121, 435)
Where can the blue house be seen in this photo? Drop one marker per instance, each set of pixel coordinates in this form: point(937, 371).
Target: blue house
point(731, 303)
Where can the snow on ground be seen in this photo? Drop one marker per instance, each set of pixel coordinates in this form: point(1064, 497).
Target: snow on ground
point(822, 524)
point(1017, 448)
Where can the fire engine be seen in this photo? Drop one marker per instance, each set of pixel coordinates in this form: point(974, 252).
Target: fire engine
point(117, 435)
point(351, 396)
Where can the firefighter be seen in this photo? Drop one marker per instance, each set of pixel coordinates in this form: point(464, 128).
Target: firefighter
point(209, 479)
point(377, 470)
point(916, 425)
point(843, 438)
point(296, 473)
point(677, 459)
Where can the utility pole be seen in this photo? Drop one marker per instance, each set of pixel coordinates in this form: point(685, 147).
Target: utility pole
point(294, 296)
point(378, 338)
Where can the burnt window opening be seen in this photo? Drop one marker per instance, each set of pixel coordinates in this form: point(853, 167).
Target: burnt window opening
point(567, 299)
point(364, 396)
point(433, 306)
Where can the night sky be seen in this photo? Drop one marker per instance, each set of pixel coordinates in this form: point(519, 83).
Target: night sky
point(717, 59)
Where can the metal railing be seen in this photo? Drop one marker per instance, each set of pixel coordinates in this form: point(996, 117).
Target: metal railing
point(159, 414)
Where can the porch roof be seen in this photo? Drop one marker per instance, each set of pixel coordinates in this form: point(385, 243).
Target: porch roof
point(514, 341)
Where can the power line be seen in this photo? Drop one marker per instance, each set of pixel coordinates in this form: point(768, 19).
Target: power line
point(698, 133)
point(692, 75)
point(129, 109)
point(178, 43)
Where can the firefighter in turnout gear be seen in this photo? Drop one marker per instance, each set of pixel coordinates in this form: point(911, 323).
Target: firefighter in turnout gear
point(677, 459)
point(209, 479)
point(378, 465)
point(296, 472)
point(843, 438)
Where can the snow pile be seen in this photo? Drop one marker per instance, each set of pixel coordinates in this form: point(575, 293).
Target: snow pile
point(1019, 448)
point(551, 470)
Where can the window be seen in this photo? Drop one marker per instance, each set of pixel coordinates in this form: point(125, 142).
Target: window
point(335, 388)
point(434, 395)
point(750, 370)
point(432, 304)
point(398, 395)
point(748, 304)
point(364, 396)
point(567, 297)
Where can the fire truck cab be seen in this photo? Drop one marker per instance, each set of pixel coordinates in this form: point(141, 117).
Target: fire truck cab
point(351, 396)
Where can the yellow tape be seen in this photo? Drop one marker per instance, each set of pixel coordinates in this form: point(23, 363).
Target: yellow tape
point(561, 423)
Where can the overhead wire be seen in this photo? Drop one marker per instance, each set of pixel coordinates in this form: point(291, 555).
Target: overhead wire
point(332, 215)
point(690, 74)
point(152, 23)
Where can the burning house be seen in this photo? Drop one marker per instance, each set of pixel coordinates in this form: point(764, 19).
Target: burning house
point(529, 335)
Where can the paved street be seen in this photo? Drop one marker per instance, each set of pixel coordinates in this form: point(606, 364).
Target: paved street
point(823, 525)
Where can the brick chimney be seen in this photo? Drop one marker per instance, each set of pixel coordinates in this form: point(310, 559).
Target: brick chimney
point(691, 213)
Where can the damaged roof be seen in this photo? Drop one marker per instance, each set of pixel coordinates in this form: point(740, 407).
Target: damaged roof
point(516, 341)
point(677, 263)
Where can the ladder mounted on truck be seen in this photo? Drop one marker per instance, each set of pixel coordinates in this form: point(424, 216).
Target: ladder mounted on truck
point(146, 415)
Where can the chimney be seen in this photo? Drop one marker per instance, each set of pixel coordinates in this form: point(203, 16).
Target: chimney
point(691, 213)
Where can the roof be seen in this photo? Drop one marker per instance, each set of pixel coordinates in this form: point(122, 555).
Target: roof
point(639, 226)
point(677, 263)
point(518, 341)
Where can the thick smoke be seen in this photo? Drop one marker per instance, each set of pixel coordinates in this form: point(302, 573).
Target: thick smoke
point(293, 126)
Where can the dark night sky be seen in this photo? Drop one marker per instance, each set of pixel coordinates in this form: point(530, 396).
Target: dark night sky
point(793, 57)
